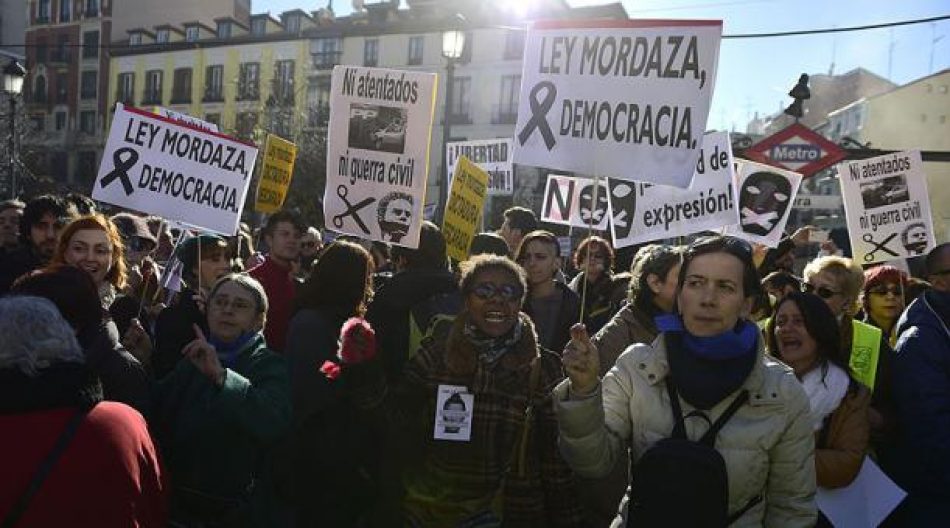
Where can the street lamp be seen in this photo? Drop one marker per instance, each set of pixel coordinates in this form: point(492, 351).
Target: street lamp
point(453, 44)
point(12, 79)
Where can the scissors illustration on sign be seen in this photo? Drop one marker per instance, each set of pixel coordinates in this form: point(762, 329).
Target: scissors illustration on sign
point(869, 256)
point(351, 210)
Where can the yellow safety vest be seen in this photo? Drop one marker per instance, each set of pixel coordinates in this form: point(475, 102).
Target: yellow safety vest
point(865, 352)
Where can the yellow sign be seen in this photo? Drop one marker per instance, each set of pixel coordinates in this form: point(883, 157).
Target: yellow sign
point(464, 211)
point(276, 172)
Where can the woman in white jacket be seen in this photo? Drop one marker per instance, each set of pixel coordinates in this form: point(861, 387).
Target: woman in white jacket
point(711, 358)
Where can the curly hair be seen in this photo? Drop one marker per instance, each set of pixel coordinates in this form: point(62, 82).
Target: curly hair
point(117, 274)
point(385, 201)
point(473, 267)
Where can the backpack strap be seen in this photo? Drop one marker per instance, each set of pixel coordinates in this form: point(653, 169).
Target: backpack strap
point(46, 466)
point(679, 424)
point(710, 437)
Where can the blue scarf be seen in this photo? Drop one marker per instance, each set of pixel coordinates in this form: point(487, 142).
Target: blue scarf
point(228, 352)
point(727, 345)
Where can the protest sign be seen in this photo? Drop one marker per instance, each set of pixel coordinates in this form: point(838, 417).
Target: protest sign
point(575, 201)
point(626, 99)
point(174, 170)
point(887, 207)
point(378, 153)
point(641, 212)
point(463, 214)
point(766, 195)
point(491, 155)
point(185, 118)
point(277, 169)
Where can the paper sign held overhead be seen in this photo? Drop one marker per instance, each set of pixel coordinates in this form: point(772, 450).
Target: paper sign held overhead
point(277, 170)
point(626, 99)
point(887, 207)
point(463, 213)
point(575, 201)
point(378, 152)
point(155, 165)
point(765, 196)
point(491, 155)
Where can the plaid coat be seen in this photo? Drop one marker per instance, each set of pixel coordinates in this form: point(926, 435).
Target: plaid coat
point(450, 483)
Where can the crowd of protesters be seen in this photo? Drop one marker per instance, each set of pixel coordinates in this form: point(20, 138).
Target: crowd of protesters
point(155, 376)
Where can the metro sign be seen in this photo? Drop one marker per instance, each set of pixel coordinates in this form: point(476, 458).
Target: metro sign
point(796, 148)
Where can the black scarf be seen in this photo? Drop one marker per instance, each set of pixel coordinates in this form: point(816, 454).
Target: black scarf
point(701, 381)
point(63, 385)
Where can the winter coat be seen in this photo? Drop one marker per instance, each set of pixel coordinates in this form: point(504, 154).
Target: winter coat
point(16, 263)
point(280, 286)
point(217, 441)
point(629, 326)
point(768, 445)
point(123, 378)
point(842, 444)
point(568, 314)
point(922, 396)
point(173, 330)
point(109, 475)
point(448, 481)
point(603, 298)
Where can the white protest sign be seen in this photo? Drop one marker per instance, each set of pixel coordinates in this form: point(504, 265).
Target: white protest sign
point(766, 195)
point(887, 207)
point(491, 155)
point(641, 212)
point(867, 501)
point(155, 165)
point(568, 199)
point(185, 118)
point(626, 99)
point(378, 153)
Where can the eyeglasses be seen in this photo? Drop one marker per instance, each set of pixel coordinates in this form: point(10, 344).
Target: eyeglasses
point(238, 305)
point(507, 292)
point(821, 291)
point(884, 290)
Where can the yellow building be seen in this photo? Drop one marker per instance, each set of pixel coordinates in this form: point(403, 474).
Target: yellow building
point(241, 78)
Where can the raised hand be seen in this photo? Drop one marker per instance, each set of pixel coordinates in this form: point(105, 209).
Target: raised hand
point(204, 357)
point(581, 361)
point(137, 342)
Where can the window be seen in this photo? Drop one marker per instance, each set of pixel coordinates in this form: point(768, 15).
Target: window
point(292, 24)
point(191, 33)
point(88, 84)
point(214, 119)
point(42, 12)
point(65, 12)
point(249, 82)
point(214, 84)
point(60, 120)
point(415, 50)
point(162, 36)
point(284, 82)
point(461, 99)
point(467, 48)
point(181, 86)
point(318, 101)
point(371, 52)
point(514, 44)
point(245, 123)
point(39, 122)
point(259, 26)
point(39, 89)
point(62, 87)
point(61, 53)
point(41, 49)
point(224, 30)
point(92, 8)
point(135, 39)
point(90, 44)
point(87, 122)
point(507, 110)
point(126, 88)
point(153, 87)
point(326, 52)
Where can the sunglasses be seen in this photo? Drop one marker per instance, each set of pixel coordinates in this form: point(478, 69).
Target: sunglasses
point(821, 291)
point(507, 292)
point(884, 290)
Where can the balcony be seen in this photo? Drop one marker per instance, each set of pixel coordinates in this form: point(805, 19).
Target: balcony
point(181, 97)
point(60, 56)
point(215, 95)
point(504, 114)
point(152, 97)
point(248, 92)
point(326, 60)
point(125, 98)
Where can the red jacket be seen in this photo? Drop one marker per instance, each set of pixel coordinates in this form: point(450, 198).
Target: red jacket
point(280, 287)
point(109, 475)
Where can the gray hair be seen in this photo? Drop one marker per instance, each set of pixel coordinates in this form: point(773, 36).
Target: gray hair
point(249, 284)
point(35, 335)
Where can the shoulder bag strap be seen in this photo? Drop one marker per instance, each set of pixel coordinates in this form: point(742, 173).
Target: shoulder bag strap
point(20, 506)
point(679, 425)
point(710, 437)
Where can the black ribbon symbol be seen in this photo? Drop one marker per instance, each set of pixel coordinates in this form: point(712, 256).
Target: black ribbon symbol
point(539, 114)
point(121, 170)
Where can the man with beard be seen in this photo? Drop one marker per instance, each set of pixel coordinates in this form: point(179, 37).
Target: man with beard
point(43, 218)
point(395, 216)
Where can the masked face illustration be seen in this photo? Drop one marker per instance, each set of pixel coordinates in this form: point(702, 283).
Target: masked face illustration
point(914, 238)
point(763, 201)
point(596, 213)
point(395, 216)
point(623, 201)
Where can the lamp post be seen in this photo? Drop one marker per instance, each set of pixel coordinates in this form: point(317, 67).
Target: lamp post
point(453, 44)
point(12, 80)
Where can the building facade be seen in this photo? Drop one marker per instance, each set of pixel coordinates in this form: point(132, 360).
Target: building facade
point(12, 25)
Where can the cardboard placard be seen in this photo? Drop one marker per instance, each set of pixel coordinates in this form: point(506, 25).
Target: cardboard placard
point(491, 155)
point(277, 170)
point(463, 213)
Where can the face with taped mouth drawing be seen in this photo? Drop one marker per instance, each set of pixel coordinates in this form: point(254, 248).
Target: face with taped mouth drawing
point(763, 201)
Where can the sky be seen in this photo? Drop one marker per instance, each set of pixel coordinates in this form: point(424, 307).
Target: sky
point(755, 75)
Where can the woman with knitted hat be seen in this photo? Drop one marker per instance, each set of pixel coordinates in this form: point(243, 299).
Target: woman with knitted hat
point(883, 299)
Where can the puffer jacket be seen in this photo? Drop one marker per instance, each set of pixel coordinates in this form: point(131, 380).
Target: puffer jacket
point(768, 445)
point(629, 326)
point(841, 445)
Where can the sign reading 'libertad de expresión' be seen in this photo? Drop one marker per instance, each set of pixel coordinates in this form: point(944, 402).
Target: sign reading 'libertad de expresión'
point(626, 99)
